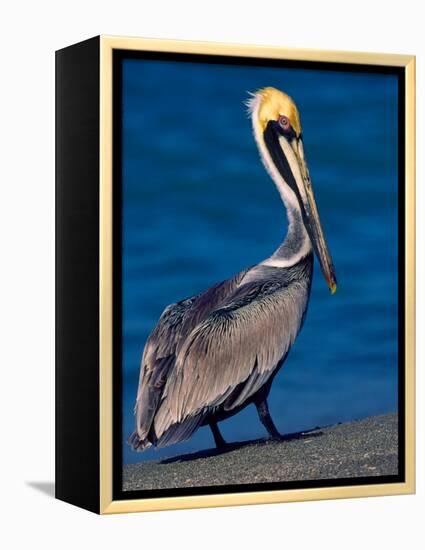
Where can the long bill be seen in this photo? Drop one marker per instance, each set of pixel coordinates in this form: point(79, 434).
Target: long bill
point(288, 157)
point(315, 231)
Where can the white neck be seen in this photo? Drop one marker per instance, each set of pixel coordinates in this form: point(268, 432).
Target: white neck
point(297, 243)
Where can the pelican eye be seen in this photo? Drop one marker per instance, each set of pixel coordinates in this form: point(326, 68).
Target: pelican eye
point(284, 122)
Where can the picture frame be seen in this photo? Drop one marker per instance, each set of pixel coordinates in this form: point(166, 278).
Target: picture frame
point(89, 399)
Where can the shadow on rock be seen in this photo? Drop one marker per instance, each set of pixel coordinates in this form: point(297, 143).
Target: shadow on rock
point(207, 453)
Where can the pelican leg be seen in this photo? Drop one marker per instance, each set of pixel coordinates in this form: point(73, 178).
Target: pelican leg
point(219, 441)
point(266, 419)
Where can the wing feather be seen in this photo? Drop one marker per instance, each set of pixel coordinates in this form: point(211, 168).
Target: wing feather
point(241, 342)
point(162, 347)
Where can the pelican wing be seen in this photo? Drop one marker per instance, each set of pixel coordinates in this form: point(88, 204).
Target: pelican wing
point(231, 353)
point(162, 347)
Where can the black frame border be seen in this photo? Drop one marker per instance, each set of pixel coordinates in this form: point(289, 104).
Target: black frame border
point(118, 56)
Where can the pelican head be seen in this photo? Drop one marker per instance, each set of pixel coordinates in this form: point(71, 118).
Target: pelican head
point(277, 130)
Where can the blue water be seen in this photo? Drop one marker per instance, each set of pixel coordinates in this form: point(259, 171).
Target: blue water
point(198, 207)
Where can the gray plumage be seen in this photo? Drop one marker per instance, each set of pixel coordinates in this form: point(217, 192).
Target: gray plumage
point(211, 354)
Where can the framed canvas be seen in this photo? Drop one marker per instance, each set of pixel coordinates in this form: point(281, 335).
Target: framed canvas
point(234, 274)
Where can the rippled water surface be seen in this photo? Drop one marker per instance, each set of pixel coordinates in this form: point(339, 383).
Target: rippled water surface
point(198, 207)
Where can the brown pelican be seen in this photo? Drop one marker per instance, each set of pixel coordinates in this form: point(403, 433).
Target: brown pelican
point(213, 354)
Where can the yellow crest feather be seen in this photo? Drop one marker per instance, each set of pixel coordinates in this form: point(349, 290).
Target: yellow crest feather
point(273, 104)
